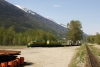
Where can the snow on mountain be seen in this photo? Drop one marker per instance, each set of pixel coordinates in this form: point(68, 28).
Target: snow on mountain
point(34, 13)
point(62, 25)
point(25, 9)
point(30, 11)
point(54, 21)
point(49, 18)
point(19, 7)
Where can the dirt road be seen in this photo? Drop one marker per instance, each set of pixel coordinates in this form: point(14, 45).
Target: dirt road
point(48, 57)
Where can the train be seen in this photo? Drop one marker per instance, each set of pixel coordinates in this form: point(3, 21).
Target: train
point(44, 44)
point(49, 43)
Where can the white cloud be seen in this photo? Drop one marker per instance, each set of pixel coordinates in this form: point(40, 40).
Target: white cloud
point(56, 6)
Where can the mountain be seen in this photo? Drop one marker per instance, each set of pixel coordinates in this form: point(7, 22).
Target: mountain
point(23, 19)
point(26, 10)
point(62, 25)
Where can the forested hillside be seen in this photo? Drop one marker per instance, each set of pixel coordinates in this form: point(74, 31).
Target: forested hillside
point(11, 15)
point(11, 37)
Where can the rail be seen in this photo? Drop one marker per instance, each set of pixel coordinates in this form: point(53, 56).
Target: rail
point(9, 52)
point(93, 62)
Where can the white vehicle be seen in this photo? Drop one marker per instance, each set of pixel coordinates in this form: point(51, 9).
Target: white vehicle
point(78, 42)
point(70, 42)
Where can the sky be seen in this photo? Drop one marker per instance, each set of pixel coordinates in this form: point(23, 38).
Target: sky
point(63, 11)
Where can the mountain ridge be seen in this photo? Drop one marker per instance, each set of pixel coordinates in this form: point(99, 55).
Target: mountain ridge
point(21, 20)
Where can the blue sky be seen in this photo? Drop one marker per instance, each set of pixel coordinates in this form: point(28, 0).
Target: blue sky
point(63, 11)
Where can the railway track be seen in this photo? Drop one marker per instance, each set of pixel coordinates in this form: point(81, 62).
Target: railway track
point(93, 62)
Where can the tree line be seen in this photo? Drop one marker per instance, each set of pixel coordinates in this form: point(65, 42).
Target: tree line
point(94, 38)
point(10, 37)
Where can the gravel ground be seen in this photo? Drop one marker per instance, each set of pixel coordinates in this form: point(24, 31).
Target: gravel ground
point(97, 46)
point(48, 56)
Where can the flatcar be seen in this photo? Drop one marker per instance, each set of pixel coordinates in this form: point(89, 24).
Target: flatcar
point(43, 44)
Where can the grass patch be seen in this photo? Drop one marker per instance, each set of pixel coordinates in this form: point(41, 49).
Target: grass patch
point(79, 58)
point(95, 50)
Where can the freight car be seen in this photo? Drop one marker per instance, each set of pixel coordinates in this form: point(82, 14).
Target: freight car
point(44, 44)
